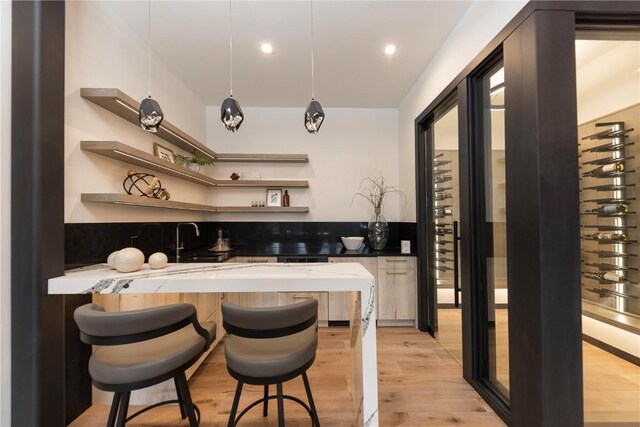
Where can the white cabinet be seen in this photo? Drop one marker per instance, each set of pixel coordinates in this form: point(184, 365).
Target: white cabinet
point(339, 301)
point(396, 291)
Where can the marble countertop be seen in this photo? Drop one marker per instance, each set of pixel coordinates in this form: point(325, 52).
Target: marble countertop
point(207, 277)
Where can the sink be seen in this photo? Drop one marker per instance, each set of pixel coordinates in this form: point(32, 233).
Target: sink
point(200, 258)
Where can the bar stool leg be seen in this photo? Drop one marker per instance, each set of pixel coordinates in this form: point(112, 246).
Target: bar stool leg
point(265, 408)
point(114, 409)
point(124, 407)
point(314, 414)
point(183, 414)
point(280, 405)
point(234, 407)
point(188, 403)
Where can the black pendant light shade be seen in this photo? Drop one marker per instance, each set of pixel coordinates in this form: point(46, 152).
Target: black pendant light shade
point(231, 114)
point(150, 115)
point(313, 116)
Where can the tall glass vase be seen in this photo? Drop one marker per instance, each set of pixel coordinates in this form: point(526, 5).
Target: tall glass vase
point(378, 230)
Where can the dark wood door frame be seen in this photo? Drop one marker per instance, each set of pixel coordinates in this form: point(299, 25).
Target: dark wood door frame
point(37, 212)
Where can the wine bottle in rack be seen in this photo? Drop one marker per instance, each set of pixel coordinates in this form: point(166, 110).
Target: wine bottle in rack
point(613, 277)
point(614, 237)
point(439, 179)
point(611, 208)
point(442, 196)
point(444, 211)
point(612, 167)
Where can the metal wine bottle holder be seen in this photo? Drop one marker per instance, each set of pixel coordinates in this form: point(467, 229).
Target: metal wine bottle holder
point(616, 258)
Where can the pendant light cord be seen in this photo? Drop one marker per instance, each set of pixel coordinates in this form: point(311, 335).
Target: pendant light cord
point(230, 54)
point(149, 45)
point(312, 67)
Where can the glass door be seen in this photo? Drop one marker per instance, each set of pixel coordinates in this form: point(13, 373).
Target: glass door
point(445, 193)
point(495, 230)
point(608, 95)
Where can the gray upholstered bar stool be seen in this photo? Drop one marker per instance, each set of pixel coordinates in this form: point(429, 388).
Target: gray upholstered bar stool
point(270, 346)
point(141, 348)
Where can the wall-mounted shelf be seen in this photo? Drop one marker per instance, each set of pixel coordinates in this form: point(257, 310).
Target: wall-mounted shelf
point(256, 158)
point(267, 209)
point(125, 199)
point(125, 153)
point(124, 106)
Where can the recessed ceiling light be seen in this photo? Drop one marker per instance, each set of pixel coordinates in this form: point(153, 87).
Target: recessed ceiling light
point(390, 49)
point(266, 48)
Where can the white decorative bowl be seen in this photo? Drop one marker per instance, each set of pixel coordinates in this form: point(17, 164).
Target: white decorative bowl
point(158, 260)
point(352, 243)
point(128, 260)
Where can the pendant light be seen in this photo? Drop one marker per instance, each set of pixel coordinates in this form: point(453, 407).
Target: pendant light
point(150, 114)
point(230, 113)
point(314, 115)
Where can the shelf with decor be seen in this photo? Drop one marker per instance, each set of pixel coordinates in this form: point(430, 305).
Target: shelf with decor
point(150, 202)
point(124, 106)
point(125, 153)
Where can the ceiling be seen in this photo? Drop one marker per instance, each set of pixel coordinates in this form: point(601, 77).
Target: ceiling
point(191, 38)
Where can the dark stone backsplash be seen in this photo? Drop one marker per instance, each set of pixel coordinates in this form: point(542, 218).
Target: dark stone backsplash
point(89, 243)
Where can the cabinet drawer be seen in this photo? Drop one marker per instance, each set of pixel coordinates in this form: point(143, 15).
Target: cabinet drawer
point(396, 262)
point(397, 294)
point(287, 298)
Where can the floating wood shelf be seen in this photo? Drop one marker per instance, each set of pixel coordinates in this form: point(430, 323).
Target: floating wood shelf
point(255, 158)
point(266, 209)
point(125, 153)
point(125, 199)
point(124, 106)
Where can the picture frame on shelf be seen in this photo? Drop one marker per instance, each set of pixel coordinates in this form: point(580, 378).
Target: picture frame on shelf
point(274, 197)
point(164, 153)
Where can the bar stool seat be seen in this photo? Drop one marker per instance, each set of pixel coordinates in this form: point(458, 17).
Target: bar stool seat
point(140, 348)
point(148, 359)
point(262, 358)
point(269, 346)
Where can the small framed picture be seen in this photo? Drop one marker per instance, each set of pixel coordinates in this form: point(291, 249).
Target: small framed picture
point(274, 197)
point(164, 153)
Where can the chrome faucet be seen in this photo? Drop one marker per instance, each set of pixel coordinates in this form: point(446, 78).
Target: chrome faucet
point(178, 242)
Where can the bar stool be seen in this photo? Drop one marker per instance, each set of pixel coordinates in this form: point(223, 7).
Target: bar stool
point(270, 346)
point(141, 348)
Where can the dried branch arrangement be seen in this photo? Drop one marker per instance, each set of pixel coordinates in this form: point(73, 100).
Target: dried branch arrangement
point(373, 190)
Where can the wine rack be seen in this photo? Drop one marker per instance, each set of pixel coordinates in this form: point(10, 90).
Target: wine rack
point(445, 216)
point(609, 237)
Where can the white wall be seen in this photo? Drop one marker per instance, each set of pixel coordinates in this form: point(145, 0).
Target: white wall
point(101, 52)
point(604, 88)
point(351, 145)
point(482, 22)
point(5, 209)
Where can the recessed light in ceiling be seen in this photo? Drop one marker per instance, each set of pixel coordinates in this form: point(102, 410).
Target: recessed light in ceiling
point(266, 48)
point(390, 49)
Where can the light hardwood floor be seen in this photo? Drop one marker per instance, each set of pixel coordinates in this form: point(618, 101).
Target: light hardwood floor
point(420, 384)
point(611, 384)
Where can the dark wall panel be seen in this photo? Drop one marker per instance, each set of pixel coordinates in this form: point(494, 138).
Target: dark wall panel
point(37, 212)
